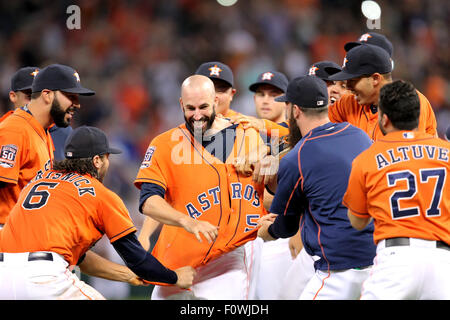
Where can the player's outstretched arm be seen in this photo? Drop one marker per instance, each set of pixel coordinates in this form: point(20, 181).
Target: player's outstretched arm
point(97, 266)
point(158, 209)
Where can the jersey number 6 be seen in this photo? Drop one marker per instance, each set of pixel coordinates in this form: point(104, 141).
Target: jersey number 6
point(410, 177)
point(38, 198)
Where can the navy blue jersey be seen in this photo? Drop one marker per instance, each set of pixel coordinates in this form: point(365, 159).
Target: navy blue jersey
point(312, 179)
point(59, 136)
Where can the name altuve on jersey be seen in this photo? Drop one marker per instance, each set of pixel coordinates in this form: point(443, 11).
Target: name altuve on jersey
point(411, 152)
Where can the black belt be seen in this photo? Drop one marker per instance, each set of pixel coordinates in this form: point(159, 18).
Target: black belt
point(33, 256)
point(393, 242)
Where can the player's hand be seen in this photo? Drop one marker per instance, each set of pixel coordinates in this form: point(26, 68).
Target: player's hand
point(295, 245)
point(185, 276)
point(248, 122)
point(265, 171)
point(136, 281)
point(264, 223)
point(243, 166)
point(198, 227)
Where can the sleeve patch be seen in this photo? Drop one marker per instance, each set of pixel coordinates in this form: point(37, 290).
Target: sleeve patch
point(148, 157)
point(8, 155)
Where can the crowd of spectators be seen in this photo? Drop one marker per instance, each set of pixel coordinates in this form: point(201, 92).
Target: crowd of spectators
point(135, 54)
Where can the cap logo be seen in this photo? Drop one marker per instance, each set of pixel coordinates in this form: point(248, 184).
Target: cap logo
point(345, 62)
point(365, 37)
point(312, 71)
point(69, 154)
point(267, 76)
point(34, 73)
point(320, 103)
point(77, 76)
point(215, 71)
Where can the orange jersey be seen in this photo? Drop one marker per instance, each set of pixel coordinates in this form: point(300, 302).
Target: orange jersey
point(66, 213)
point(347, 109)
point(231, 113)
point(402, 182)
point(25, 149)
point(200, 185)
point(6, 115)
point(276, 129)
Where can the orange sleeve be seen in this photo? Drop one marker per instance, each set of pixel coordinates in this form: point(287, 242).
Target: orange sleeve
point(150, 170)
point(12, 151)
point(114, 217)
point(355, 198)
point(275, 129)
point(427, 119)
point(336, 111)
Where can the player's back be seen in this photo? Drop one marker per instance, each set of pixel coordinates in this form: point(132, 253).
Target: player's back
point(62, 212)
point(406, 174)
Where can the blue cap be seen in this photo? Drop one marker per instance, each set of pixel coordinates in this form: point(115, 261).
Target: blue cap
point(59, 77)
point(306, 92)
point(324, 69)
point(216, 70)
point(87, 142)
point(23, 78)
point(373, 38)
point(447, 134)
point(274, 78)
point(365, 59)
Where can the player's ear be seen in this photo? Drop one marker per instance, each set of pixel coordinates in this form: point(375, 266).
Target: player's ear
point(12, 96)
point(48, 96)
point(181, 105)
point(97, 161)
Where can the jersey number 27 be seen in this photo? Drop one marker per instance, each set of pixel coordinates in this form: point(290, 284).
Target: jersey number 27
point(410, 177)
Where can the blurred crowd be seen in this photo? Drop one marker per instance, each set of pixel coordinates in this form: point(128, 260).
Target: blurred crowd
point(136, 53)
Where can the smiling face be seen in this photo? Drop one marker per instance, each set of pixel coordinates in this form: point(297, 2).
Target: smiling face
point(364, 89)
point(265, 104)
point(198, 101)
point(63, 108)
point(336, 89)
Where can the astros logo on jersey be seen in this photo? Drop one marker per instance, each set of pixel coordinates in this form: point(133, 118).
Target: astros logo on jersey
point(267, 76)
point(215, 71)
point(312, 71)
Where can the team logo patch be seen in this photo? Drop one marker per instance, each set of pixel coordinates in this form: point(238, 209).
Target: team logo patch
point(408, 135)
point(345, 62)
point(148, 157)
point(8, 155)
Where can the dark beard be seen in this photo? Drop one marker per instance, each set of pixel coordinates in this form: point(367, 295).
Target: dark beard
point(58, 114)
point(209, 122)
point(294, 131)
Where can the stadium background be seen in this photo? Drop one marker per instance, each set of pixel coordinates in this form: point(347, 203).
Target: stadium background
point(135, 54)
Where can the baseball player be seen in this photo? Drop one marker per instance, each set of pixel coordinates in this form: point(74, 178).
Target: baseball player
point(312, 179)
point(401, 183)
point(26, 147)
point(301, 270)
point(20, 92)
point(60, 214)
point(20, 95)
point(366, 69)
point(188, 181)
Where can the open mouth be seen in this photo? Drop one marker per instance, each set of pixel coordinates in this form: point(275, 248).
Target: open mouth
point(333, 99)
